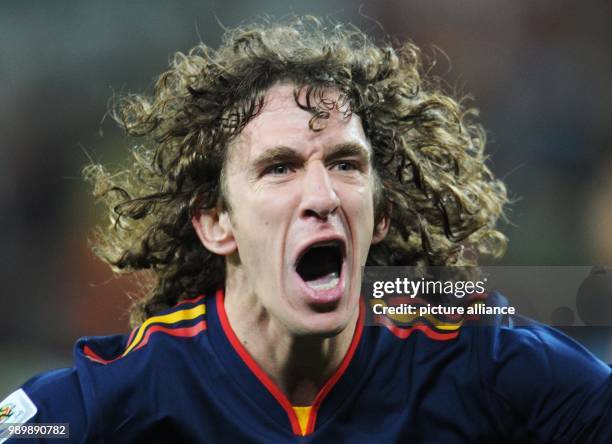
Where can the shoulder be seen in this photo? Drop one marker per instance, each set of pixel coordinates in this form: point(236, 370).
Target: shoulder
point(56, 396)
point(554, 386)
point(129, 373)
point(175, 326)
point(526, 347)
point(117, 377)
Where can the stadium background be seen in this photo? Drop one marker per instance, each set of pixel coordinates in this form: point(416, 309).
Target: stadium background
point(539, 71)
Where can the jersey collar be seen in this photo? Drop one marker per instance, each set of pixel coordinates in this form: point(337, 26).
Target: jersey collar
point(265, 393)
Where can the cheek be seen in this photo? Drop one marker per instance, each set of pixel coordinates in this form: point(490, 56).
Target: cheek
point(359, 206)
point(366, 206)
point(260, 219)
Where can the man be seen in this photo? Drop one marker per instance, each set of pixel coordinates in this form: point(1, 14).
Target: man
point(276, 167)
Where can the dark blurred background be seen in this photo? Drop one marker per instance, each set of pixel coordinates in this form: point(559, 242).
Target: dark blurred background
point(539, 72)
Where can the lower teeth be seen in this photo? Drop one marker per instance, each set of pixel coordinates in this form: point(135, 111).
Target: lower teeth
point(330, 281)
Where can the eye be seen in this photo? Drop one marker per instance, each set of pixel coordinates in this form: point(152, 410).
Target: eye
point(279, 169)
point(345, 166)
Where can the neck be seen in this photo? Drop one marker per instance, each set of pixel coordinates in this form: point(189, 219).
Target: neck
point(298, 364)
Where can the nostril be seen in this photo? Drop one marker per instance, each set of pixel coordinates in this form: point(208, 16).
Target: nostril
point(310, 213)
point(319, 214)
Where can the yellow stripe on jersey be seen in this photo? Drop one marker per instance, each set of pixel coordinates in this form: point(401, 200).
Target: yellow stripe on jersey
point(303, 413)
point(171, 318)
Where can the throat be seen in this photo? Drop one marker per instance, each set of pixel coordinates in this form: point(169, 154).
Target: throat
point(302, 392)
point(308, 363)
point(298, 365)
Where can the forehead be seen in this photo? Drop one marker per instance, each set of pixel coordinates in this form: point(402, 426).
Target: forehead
point(281, 122)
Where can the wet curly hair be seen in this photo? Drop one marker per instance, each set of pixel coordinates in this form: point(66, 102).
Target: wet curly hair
point(428, 153)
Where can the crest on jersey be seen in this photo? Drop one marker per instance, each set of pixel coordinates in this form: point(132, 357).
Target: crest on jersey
point(18, 407)
point(6, 411)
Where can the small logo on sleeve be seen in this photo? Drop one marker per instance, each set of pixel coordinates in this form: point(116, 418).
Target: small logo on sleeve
point(6, 411)
point(16, 408)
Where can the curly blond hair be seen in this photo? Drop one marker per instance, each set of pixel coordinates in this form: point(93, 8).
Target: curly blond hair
point(441, 198)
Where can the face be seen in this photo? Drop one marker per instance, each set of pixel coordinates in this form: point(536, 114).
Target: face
point(302, 214)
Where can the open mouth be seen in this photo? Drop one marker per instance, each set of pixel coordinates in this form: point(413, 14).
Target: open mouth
point(320, 266)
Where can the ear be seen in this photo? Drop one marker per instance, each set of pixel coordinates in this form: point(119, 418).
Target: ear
point(215, 231)
point(381, 229)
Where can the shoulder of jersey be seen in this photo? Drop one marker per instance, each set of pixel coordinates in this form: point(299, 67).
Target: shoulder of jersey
point(185, 320)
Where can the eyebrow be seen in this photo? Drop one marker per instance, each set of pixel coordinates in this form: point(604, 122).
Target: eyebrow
point(349, 149)
point(285, 154)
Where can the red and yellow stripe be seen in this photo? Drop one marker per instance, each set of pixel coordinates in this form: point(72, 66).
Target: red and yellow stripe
point(159, 324)
point(433, 327)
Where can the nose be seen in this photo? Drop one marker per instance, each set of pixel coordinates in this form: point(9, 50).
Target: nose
point(319, 198)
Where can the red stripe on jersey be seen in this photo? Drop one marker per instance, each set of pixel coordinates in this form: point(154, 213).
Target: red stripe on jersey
point(95, 358)
point(254, 367)
point(129, 341)
point(183, 332)
point(404, 333)
point(339, 372)
point(271, 386)
point(189, 301)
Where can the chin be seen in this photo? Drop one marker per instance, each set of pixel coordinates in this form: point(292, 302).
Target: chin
point(324, 325)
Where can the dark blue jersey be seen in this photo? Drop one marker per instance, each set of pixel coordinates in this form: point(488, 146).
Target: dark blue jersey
point(184, 377)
